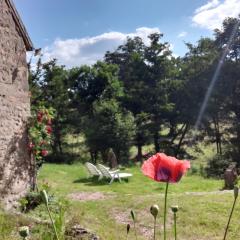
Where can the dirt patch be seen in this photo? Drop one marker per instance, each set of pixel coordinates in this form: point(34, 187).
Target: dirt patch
point(89, 196)
point(144, 220)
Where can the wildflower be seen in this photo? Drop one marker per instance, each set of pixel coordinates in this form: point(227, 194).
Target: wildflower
point(163, 168)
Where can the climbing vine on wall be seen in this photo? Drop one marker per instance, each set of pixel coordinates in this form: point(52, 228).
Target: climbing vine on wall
point(40, 133)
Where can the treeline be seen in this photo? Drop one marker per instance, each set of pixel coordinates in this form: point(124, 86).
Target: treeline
point(141, 94)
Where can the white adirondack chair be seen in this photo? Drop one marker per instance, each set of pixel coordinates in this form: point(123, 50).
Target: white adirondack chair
point(112, 174)
point(93, 171)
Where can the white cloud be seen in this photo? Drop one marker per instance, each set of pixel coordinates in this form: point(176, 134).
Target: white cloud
point(209, 5)
point(212, 14)
point(75, 52)
point(182, 34)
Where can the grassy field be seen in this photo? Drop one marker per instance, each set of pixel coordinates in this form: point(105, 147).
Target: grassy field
point(203, 208)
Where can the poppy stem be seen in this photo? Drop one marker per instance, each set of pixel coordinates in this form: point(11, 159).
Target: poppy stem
point(175, 226)
point(165, 212)
point(229, 219)
point(53, 224)
point(154, 229)
point(135, 230)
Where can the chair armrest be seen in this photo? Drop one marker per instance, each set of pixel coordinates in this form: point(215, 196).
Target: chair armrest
point(115, 171)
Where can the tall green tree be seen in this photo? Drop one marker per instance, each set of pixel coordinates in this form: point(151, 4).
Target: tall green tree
point(95, 93)
point(228, 39)
point(130, 59)
point(159, 81)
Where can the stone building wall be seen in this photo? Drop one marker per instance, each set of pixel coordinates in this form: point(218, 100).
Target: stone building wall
point(15, 162)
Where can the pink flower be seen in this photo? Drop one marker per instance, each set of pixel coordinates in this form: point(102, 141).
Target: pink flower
point(44, 152)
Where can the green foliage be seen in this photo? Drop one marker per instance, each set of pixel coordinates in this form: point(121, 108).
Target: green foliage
point(217, 166)
point(110, 127)
point(142, 95)
point(49, 87)
point(30, 201)
point(33, 198)
point(40, 131)
point(105, 123)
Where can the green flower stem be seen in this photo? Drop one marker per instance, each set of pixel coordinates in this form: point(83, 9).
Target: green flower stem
point(54, 227)
point(229, 219)
point(165, 212)
point(175, 226)
point(154, 229)
point(135, 230)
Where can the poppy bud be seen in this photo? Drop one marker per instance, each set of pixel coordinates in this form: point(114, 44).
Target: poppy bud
point(174, 209)
point(24, 231)
point(236, 190)
point(44, 197)
point(133, 215)
point(128, 228)
point(154, 210)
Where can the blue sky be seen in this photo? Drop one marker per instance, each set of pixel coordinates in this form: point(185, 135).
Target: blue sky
point(80, 31)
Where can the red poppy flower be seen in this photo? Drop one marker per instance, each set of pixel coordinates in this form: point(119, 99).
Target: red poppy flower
point(163, 168)
point(44, 153)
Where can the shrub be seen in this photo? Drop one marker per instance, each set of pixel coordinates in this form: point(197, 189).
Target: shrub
point(217, 166)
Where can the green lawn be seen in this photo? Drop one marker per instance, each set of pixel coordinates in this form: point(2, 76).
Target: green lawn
point(203, 213)
point(203, 210)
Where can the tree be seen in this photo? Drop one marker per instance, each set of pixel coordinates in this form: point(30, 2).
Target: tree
point(95, 93)
point(158, 63)
point(228, 39)
point(133, 74)
point(48, 84)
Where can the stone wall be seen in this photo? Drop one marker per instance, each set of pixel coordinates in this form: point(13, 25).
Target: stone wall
point(15, 162)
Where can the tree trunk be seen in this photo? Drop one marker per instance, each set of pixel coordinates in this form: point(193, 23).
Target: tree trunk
point(104, 156)
point(139, 153)
point(181, 140)
point(156, 141)
point(177, 133)
point(218, 138)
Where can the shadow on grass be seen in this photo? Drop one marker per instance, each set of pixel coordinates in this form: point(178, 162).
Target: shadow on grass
point(95, 182)
point(92, 181)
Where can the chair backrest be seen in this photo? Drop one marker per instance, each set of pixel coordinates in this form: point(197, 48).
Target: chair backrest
point(92, 169)
point(105, 172)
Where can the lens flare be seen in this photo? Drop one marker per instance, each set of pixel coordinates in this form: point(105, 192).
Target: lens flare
point(214, 79)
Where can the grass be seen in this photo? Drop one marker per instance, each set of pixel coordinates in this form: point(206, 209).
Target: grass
point(203, 208)
point(203, 213)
